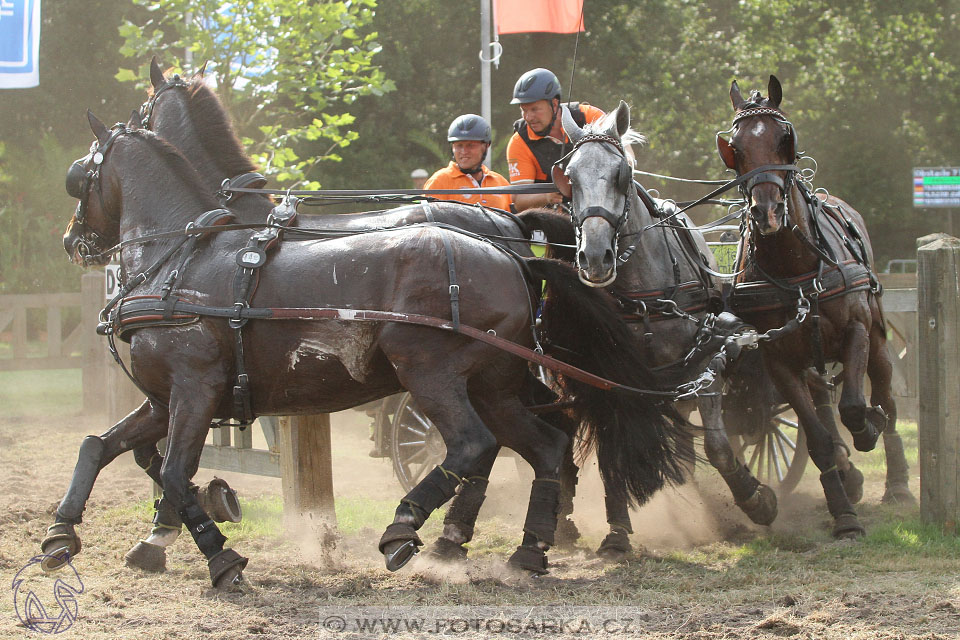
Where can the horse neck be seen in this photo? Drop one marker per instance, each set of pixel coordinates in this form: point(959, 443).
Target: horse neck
point(784, 254)
point(650, 266)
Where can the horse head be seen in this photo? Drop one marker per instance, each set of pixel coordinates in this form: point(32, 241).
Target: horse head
point(762, 136)
point(599, 180)
point(92, 230)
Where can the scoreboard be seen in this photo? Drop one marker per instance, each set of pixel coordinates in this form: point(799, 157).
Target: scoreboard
point(936, 187)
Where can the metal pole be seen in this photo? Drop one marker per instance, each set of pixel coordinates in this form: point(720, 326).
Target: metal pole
point(485, 64)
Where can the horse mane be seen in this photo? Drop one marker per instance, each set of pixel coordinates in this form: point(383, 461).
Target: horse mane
point(630, 137)
point(179, 165)
point(216, 132)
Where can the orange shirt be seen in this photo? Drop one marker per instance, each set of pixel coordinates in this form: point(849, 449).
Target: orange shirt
point(450, 177)
point(524, 167)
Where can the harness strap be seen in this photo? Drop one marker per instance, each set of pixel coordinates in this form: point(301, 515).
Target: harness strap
point(451, 271)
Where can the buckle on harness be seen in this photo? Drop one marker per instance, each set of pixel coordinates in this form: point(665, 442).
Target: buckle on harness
point(803, 308)
point(454, 292)
point(238, 320)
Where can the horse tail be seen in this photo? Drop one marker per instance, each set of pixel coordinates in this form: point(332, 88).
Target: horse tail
point(556, 226)
point(639, 440)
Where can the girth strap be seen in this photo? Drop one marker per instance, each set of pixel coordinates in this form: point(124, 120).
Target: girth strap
point(451, 271)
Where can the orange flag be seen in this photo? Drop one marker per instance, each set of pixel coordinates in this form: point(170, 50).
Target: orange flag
point(551, 16)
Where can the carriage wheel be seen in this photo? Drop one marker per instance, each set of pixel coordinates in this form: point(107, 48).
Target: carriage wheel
point(416, 446)
point(777, 455)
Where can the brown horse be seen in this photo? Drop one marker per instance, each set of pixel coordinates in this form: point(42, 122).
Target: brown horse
point(807, 269)
point(187, 354)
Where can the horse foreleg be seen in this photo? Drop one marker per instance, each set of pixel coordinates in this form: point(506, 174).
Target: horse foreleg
point(471, 450)
point(461, 518)
point(192, 408)
point(142, 426)
point(864, 423)
point(149, 554)
point(880, 370)
point(820, 444)
point(851, 476)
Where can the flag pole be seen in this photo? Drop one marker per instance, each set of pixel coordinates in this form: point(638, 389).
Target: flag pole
point(485, 64)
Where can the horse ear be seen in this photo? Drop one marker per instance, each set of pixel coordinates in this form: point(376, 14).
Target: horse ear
point(572, 129)
point(726, 152)
point(561, 181)
point(202, 70)
point(99, 129)
point(134, 122)
point(735, 96)
point(156, 74)
point(623, 118)
point(774, 92)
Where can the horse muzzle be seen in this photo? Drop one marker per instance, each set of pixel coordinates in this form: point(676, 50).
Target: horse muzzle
point(768, 217)
point(596, 252)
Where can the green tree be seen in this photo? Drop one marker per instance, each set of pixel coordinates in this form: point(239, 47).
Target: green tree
point(285, 69)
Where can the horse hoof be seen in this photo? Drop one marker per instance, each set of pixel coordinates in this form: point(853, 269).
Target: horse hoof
point(226, 569)
point(852, 480)
point(615, 547)
point(761, 507)
point(567, 533)
point(447, 551)
point(847, 527)
point(60, 545)
point(530, 559)
point(864, 424)
point(220, 501)
point(398, 544)
point(147, 556)
point(898, 493)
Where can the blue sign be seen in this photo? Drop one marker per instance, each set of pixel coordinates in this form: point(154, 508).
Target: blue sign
point(19, 43)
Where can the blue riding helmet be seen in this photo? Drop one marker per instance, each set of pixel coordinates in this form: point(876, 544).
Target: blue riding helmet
point(536, 84)
point(469, 127)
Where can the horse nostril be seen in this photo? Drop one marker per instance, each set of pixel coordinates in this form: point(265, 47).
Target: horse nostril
point(608, 259)
point(581, 258)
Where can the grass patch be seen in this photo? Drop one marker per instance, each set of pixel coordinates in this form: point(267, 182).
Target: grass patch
point(51, 392)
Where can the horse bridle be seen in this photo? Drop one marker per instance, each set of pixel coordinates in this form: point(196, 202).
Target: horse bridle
point(623, 184)
point(82, 176)
point(785, 183)
point(146, 109)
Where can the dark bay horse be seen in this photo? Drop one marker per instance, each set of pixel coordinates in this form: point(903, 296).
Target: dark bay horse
point(135, 185)
point(657, 274)
point(189, 115)
point(808, 266)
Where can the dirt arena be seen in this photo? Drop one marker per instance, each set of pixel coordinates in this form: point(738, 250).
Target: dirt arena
point(700, 571)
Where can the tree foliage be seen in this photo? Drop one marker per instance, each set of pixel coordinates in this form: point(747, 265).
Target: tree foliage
point(283, 68)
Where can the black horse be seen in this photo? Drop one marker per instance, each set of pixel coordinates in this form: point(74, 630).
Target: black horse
point(187, 333)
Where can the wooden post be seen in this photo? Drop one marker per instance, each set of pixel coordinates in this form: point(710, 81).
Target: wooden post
point(95, 389)
point(938, 321)
point(306, 469)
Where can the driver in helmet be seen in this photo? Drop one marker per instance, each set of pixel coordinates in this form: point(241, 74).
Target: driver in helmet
point(538, 135)
point(469, 138)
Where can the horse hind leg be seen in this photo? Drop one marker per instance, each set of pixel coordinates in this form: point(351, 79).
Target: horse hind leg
point(142, 426)
point(461, 518)
point(149, 554)
point(880, 370)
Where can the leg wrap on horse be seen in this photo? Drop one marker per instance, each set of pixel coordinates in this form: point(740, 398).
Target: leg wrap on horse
point(542, 512)
point(166, 515)
point(434, 490)
point(837, 502)
point(204, 531)
point(897, 487)
point(618, 514)
point(149, 459)
point(84, 475)
point(756, 500)
point(465, 507)
point(743, 486)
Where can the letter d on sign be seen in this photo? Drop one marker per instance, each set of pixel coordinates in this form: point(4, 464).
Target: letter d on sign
point(112, 280)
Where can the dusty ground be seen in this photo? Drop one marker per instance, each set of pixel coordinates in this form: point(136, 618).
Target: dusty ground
point(703, 572)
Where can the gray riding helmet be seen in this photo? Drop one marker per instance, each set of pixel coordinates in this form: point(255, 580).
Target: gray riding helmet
point(536, 84)
point(469, 126)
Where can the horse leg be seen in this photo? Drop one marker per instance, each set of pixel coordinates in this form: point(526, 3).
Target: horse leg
point(461, 517)
point(865, 423)
point(544, 447)
point(822, 400)
point(880, 370)
point(471, 449)
point(567, 531)
point(192, 407)
point(794, 389)
point(143, 426)
point(149, 554)
point(755, 499)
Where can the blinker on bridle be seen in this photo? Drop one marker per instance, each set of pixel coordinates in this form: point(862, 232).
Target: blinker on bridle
point(82, 177)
